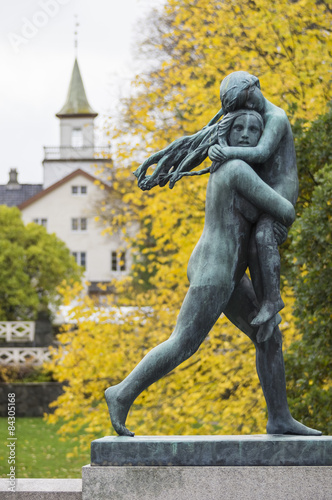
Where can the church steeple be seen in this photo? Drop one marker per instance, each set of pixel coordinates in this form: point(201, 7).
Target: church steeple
point(77, 149)
point(76, 104)
point(76, 121)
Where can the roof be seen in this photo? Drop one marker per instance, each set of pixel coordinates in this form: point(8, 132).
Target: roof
point(76, 103)
point(14, 196)
point(54, 186)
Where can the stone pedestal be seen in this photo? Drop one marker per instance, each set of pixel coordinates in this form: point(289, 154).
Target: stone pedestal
point(209, 467)
point(42, 489)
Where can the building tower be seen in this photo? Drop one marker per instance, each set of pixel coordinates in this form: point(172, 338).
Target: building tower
point(77, 149)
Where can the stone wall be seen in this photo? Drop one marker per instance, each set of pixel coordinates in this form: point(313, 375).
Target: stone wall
point(32, 400)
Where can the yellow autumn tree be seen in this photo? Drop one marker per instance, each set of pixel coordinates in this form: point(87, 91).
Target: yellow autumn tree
point(197, 42)
point(193, 44)
point(216, 391)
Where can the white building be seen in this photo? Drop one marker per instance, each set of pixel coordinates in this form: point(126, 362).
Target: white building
point(66, 203)
point(67, 208)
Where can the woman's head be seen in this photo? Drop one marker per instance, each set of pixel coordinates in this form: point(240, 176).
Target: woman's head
point(235, 90)
point(245, 131)
point(240, 128)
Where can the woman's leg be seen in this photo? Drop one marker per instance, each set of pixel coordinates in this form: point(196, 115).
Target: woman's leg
point(200, 310)
point(269, 363)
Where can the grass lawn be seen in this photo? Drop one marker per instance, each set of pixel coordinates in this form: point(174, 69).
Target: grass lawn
point(39, 451)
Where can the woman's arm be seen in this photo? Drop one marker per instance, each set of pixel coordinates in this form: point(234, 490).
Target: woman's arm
point(275, 129)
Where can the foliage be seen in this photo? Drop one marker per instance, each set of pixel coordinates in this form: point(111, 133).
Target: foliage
point(309, 360)
point(24, 374)
point(197, 43)
point(192, 45)
point(32, 265)
point(313, 151)
point(217, 390)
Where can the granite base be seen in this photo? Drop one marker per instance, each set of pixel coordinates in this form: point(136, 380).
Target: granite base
point(206, 483)
point(259, 467)
point(42, 489)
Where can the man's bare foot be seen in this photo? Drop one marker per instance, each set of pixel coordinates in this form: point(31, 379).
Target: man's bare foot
point(266, 330)
point(118, 411)
point(267, 310)
point(290, 426)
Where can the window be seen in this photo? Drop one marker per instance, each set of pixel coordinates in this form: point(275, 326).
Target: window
point(118, 261)
point(41, 222)
point(80, 258)
point(76, 138)
point(84, 224)
point(79, 224)
point(78, 190)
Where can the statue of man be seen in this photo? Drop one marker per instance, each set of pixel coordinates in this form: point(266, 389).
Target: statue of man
point(237, 198)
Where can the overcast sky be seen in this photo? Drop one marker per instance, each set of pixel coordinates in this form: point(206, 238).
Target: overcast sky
point(37, 56)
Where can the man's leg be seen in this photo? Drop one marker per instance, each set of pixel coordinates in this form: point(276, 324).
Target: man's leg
point(269, 264)
point(266, 330)
point(200, 310)
point(269, 362)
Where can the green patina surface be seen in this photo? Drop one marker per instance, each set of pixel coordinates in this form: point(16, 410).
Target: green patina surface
point(76, 101)
point(257, 450)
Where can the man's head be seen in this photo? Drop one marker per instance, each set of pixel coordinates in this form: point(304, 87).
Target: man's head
point(241, 90)
point(246, 130)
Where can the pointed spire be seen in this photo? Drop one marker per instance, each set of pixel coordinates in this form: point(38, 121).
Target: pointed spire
point(76, 34)
point(76, 103)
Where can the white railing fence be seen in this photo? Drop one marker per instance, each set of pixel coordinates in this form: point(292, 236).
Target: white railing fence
point(17, 331)
point(20, 356)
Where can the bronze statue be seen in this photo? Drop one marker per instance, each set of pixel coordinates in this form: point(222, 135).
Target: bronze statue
point(250, 199)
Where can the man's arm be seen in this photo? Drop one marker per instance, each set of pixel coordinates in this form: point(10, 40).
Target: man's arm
point(274, 131)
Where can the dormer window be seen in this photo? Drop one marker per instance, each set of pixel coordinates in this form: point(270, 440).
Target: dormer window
point(77, 138)
point(78, 190)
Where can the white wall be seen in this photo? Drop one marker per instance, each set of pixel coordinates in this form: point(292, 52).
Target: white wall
point(59, 207)
point(67, 125)
point(54, 171)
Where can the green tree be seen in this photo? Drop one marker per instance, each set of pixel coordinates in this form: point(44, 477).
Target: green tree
point(313, 151)
point(33, 264)
point(308, 360)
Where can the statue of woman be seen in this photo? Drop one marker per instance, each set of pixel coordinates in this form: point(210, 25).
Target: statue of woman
point(236, 198)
